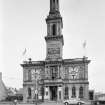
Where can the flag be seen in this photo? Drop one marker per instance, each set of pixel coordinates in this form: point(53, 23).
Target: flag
point(24, 52)
point(84, 44)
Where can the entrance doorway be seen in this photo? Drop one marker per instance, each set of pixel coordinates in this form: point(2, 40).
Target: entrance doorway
point(53, 93)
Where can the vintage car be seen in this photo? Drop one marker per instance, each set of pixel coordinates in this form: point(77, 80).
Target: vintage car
point(73, 101)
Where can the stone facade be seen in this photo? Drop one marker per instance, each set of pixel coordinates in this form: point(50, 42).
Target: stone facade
point(55, 78)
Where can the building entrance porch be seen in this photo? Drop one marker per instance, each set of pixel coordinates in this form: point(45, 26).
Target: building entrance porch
point(53, 93)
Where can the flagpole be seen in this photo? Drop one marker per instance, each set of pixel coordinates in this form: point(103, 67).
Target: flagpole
point(84, 48)
point(24, 55)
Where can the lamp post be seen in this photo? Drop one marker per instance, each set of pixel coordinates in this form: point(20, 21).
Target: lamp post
point(42, 90)
point(36, 86)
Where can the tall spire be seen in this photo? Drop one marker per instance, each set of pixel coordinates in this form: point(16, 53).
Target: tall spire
point(54, 5)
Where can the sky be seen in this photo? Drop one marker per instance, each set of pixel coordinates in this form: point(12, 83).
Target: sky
point(22, 25)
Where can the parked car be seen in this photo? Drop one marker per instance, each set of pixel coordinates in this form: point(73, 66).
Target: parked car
point(73, 101)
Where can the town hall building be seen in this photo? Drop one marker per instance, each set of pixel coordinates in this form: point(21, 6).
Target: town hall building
point(55, 78)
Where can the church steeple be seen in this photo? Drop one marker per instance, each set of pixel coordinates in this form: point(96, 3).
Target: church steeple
point(54, 38)
point(54, 19)
point(54, 5)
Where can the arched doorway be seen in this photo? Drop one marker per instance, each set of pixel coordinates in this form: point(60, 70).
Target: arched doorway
point(53, 93)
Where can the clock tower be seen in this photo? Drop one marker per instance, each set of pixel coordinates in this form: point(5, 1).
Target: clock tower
point(55, 78)
point(54, 38)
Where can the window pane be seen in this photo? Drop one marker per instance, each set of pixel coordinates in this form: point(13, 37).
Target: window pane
point(29, 92)
point(73, 92)
point(66, 93)
point(54, 29)
point(81, 92)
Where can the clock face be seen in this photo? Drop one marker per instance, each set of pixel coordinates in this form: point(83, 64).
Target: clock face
point(53, 52)
point(73, 72)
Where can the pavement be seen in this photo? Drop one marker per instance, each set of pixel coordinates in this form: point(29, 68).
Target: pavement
point(44, 103)
point(52, 103)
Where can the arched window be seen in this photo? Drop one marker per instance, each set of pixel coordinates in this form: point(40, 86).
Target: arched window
point(54, 29)
point(60, 95)
point(29, 93)
point(54, 72)
point(66, 93)
point(81, 92)
point(73, 92)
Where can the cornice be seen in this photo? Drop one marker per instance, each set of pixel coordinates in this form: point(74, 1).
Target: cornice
point(76, 81)
point(76, 61)
point(32, 63)
point(53, 62)
point(59, 61)
point(53, 16)
point(56, 38)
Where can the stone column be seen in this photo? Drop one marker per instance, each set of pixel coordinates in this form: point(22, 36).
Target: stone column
point(25, 94)
point(48, 95)
point(45, 93)
point(70, 92)
point(58, 93)
point(59, 98)
point(58, 71)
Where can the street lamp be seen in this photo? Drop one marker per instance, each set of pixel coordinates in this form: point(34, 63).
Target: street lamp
point(42, 90)
point(36, 86)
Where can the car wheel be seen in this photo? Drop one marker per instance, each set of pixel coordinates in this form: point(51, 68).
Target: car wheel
point(66, 103)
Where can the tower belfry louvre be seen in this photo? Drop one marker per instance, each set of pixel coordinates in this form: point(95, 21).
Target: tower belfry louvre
point(55, 78)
